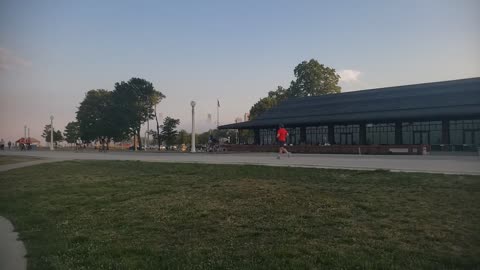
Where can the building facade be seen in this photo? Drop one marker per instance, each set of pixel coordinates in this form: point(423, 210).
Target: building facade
point(444, 115)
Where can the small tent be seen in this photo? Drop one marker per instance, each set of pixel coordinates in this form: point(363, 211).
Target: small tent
point(30, 140)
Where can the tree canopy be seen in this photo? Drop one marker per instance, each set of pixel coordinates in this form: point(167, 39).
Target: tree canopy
point(134, 103)
point(118, 114)
point(312, 79)
point(96, 117)
point(72, 132)
point(169, 132)
point(57, 134)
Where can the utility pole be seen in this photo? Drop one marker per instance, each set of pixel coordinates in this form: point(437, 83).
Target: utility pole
point(193, 125)
point(147, 134)
point(51, 133)
point(218, 113)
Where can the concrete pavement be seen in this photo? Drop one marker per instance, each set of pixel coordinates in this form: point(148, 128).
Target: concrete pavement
point(413, 163)
point(12, 251)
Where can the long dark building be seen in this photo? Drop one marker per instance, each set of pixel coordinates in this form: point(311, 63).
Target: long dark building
point(445, 115)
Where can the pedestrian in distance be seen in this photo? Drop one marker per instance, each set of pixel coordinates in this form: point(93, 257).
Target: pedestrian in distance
point(9, 145)
point(78, 145)
point(282, 134)
point(2, 144)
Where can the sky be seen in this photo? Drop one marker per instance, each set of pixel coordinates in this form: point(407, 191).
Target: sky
point(53, 52)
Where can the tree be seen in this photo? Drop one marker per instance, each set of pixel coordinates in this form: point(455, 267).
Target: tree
point(96, 118)
point(280, 94)
point(261, 106)
point(134, 102)
point(57, 134)
point(183, 137)
point(314, 79)
point(72, 132)
point(169, 132)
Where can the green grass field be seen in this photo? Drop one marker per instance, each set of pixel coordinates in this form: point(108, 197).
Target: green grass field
point(136, 215)
point(4, 160)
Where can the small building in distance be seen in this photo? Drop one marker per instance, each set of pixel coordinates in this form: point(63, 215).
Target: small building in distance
point(444, 115)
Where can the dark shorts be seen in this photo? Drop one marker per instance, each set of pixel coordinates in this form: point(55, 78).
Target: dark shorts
point(280, 143)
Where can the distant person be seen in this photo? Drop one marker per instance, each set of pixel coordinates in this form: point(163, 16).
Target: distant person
point(2, 144)
point(282, 134)
point(102, 145)
point(9, 145)
point(78, 144)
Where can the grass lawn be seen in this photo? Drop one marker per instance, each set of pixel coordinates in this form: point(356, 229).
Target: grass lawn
point(4, 160)
point(136, 215)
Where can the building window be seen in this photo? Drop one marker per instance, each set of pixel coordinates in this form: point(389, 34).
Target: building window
point(380, 133)
point(347, 134)
point(316, 135)
point(293, 135)
point(422, 132)
point(268, 136)
point(465, 132)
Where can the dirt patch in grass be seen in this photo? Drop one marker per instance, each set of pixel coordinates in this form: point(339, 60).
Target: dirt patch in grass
point(135, 215)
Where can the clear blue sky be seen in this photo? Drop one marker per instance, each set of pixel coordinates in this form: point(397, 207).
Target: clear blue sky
point(52, 52)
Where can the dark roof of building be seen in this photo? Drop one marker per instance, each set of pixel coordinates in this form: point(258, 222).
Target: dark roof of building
point(457, 98)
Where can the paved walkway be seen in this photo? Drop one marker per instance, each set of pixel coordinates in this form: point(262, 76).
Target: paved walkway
point(12, 251)
point(416, 163)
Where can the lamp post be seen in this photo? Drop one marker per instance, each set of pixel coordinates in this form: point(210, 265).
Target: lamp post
point(51, 133)
point(193, 125)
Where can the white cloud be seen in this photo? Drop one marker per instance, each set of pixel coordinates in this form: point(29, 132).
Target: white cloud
point(9, 61)
point(349, 75)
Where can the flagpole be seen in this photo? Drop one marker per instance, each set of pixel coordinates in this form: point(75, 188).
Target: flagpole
point(218, 113)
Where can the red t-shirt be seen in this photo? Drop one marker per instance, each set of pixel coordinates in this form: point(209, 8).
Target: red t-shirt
point(282, 134)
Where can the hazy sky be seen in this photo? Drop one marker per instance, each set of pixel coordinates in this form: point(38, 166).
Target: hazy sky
point(53, 52)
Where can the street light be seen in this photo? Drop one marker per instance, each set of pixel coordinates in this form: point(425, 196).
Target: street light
point(193, 125)
point(51, 132)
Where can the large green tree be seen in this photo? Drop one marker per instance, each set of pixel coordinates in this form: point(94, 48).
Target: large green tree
point(135, 103)
point(97, 118)
point(72, 132)
point(169, 133)
point(312, 79)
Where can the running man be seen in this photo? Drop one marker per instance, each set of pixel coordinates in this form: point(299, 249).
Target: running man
point(282, 134)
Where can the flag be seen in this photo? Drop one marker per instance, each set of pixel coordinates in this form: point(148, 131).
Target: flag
point(218, 103)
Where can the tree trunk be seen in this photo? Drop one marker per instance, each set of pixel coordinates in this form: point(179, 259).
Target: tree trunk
point(134, 143)
point(139, 139)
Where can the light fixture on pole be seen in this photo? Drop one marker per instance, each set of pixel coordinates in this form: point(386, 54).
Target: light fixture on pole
point(51, 132)
point(193, 125)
